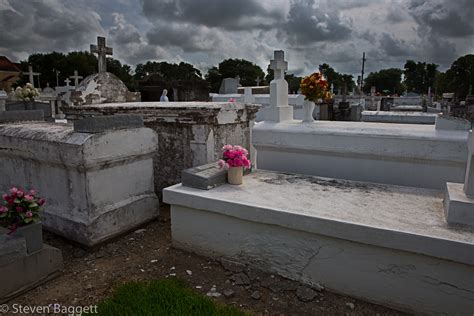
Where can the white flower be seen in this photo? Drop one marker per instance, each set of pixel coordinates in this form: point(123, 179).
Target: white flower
point(27, 99)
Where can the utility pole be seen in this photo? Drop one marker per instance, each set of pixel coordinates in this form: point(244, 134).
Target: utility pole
point(362, 72)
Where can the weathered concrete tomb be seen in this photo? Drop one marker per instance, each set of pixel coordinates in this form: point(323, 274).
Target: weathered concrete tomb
point(386, 244)
point(97, 183)
point(190, 133)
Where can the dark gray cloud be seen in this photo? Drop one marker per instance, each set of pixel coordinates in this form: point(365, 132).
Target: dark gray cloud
point(29, 26)
point(227, 14)
point(393, 46)
point(307, 24)
point(204, 32)
point(443, 17)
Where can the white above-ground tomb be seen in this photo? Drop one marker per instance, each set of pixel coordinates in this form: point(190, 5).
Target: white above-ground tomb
point(402, 154)
point(382, 243)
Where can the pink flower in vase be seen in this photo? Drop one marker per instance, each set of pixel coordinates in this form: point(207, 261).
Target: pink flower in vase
point(6, 197)
point(28, 198)
point(29, 214)
point(221, 164)
point(3, 209)
point(231, 100)
point(13, 191)
point(20, 194)
point(227, 147)
point(19, 209)
point(32, 192)
point(41, 202)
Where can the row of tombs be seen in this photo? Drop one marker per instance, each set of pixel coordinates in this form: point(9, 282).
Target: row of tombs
point(382, 212)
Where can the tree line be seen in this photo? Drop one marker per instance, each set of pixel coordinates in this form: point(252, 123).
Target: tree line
point(419, 77)
point(416, 77)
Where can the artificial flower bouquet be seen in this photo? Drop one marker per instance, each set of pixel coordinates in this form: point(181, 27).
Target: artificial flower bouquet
point(20, 208)
point(314, 87)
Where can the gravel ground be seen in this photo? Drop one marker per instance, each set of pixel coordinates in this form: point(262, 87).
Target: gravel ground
point(91, 275)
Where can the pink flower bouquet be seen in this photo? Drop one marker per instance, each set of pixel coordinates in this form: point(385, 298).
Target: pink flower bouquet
point(234, 156)
point(20, 208)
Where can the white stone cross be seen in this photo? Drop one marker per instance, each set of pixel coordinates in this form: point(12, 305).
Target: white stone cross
point(67, 81)
point(76, 78)
point(278, 64)
point(31, 75)
point(102, 51)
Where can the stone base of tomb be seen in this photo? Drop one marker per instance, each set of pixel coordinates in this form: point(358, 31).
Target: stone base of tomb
point(21, 271)
point(386, 244)
point(459, 208)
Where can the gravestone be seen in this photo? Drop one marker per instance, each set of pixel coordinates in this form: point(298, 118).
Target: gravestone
point(204, 177)
point(100, 124)
point(21, 116)
point(229, 86)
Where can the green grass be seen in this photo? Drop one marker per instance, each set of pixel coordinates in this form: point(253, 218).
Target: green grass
point(162, 297)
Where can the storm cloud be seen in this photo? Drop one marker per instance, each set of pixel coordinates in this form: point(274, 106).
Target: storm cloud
point(204, 32)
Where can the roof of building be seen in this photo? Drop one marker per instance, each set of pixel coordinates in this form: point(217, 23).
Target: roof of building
point(7, 65)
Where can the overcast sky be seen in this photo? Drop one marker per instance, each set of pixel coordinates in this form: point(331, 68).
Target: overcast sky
point(204, 32)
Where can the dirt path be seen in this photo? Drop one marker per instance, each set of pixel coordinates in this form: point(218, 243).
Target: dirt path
point(146, 254)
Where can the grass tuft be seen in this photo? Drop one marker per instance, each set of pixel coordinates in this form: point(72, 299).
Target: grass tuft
point(162, 297)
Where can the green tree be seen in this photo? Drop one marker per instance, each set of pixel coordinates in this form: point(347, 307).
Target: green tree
point(231, 68)
point(338, 80)
point(385, 80)
point(460, 77)
point(84, 62)
point(419, 76)
point(181, 71)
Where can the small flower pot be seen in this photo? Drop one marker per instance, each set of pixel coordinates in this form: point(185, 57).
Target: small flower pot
point(33, 235)
point(235, 175)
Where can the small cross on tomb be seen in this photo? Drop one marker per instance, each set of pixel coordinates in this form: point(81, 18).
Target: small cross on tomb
point(102, 51)
point(31, 75)
point(76, 78)
point(67, 81)
point(278, 64)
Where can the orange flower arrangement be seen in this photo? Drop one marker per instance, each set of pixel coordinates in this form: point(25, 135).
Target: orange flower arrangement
point(314, 87)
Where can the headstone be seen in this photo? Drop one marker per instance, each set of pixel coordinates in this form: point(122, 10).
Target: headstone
point(67, 82)
point(100, 124)
point(459, 199)
point(248, 96)
point(102, 51)
point(48, 90)
point(204, 177)
point(21, 116)
point(76, 78)
point(278, 110)
point(258, 81)
point(229, 86)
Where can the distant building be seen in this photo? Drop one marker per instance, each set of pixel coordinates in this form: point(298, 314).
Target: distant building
point(9, 73)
